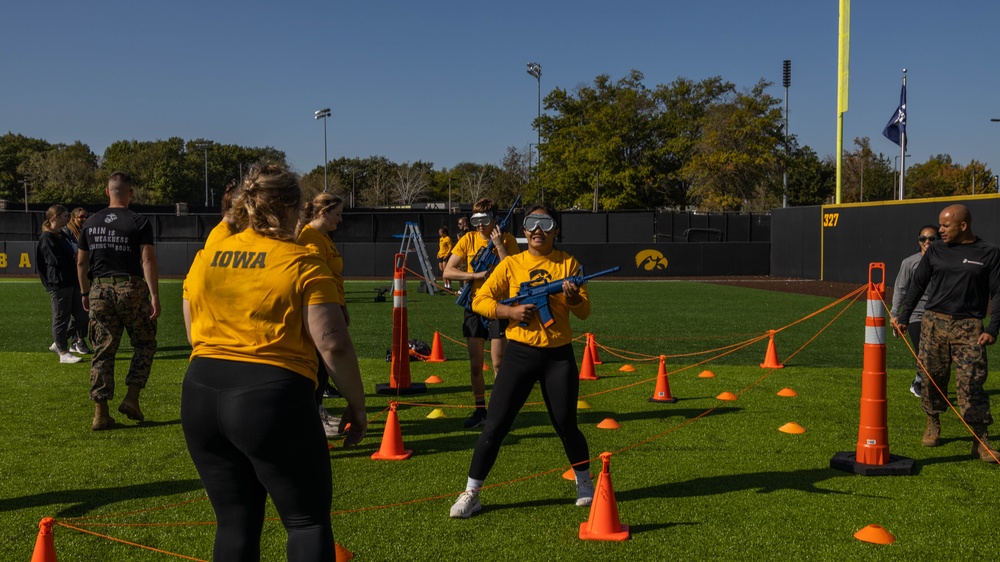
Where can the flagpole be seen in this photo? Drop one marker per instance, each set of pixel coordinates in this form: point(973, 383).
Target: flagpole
point(902, 151)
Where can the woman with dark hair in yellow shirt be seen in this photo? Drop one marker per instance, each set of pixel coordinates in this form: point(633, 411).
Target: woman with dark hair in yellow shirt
point(257, 306)
point(534, 354)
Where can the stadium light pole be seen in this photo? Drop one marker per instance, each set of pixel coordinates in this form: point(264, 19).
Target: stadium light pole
point(535, 70)
point(786, 79)
point(203, 146)
point(323, 114)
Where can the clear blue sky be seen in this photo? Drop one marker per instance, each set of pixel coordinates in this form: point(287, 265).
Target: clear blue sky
point(446, 81)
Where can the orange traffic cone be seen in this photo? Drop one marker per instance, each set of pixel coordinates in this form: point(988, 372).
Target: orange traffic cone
point(45, 548)
point(587, 367)
point(603, 523)
point(662, 392)
point(437, 355)
point(592, 345)
point(343, 555)
point(392, 439)
point(771, 358)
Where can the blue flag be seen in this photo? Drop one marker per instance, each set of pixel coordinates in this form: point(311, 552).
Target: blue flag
point(896, 127)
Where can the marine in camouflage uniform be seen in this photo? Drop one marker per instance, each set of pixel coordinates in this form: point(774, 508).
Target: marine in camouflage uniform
point(120, 285)
point(961, 274)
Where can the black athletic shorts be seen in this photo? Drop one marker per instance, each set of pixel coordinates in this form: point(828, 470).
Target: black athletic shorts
point(476, 326)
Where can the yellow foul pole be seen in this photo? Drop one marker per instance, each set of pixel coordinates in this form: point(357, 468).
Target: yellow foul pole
point(843, 70)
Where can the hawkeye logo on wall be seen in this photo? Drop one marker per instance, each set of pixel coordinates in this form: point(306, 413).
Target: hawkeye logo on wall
point(650, 260)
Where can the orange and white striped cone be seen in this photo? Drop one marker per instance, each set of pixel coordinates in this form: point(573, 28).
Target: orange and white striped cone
point(399, 375)
point(871, 456)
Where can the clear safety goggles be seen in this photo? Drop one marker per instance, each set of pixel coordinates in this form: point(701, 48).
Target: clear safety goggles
point(481, 219)
point(544, 222)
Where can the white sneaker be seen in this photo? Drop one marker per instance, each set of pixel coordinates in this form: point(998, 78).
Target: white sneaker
point(53, 348)
point(331, 424)
point(467, 504)
point(68, 358)
point(585, 493)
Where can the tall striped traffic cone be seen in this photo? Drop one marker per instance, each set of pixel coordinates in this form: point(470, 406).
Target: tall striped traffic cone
point(871, 456)
point(662, 392)
point(45, 547)
point(592, 345)
point(437, 354)
point(604, 523)
point(399, 375)
point(587, 367)
point(392, 439)
point(771, 357)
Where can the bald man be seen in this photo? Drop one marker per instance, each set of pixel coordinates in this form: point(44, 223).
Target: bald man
point(962, 275)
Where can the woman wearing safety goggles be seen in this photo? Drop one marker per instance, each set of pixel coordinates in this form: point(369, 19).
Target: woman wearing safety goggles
point(534, 354)
point(475, 328)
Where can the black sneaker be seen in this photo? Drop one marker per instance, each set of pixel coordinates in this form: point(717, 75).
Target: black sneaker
point(915, 388)
point(477, 419)
point(331, 392)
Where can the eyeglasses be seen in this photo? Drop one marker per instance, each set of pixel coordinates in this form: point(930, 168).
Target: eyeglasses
point(481, 219)
point(544, 222)
point(927, 238)
point(84, 217)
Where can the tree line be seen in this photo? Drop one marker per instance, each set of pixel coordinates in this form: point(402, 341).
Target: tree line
point(612, 144)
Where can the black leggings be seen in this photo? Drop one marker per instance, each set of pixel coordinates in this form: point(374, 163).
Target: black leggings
point(254, 430)
point(523, 365)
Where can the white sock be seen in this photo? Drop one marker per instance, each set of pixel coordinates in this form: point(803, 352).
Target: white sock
point(474, 485)
point(582, 475)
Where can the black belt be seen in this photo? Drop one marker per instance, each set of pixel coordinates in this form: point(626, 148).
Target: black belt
point(117, 280)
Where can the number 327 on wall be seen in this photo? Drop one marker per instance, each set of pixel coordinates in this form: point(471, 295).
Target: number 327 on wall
point(830, 219)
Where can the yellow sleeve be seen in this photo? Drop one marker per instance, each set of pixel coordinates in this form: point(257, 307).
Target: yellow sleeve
point(510, 244)
point(494, 289)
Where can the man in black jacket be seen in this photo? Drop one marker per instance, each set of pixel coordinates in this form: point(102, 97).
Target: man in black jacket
point(963, 275)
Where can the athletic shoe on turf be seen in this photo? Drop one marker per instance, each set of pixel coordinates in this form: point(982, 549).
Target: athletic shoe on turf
point(466, 505)
point(80, 347)
point(68, 358)
point(584, 493)
point(915, 388)
point(331, 392)
point(53, 348)
point(331, 425)
point(477, 419)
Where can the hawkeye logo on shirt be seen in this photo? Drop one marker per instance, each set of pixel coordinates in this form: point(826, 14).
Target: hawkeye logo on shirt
point(539, 276)
point(244, 260)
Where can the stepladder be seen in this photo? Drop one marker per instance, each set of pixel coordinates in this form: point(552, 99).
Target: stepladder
point(413, 242)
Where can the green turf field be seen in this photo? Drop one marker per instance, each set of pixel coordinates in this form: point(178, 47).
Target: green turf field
point(699, 479)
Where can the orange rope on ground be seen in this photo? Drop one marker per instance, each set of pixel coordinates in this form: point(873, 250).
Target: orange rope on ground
point(130, 543)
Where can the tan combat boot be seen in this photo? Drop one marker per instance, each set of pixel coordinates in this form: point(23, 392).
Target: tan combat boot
point(130, 404)
point(933, 431)
point(102, 419)
point(981, 447)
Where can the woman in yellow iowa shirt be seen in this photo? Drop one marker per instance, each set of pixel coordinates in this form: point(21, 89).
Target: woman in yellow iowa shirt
point(534, 354)
point(257, 306)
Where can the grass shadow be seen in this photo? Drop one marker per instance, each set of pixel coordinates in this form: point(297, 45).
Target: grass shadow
point(763, 482)
point(89, 500)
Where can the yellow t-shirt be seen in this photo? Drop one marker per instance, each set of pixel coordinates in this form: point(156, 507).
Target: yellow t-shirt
point(221, 231)
point(470, 244)
point(321, 243)
point(246, 295)
point(444, 248)
point(505, 282)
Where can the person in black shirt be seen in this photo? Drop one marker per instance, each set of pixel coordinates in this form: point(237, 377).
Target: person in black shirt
point(962, 276)
point(120, 285)
point(57, 270)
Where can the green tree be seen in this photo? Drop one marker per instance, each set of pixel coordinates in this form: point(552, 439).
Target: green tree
point(157, 167)
point(64, 174)
point(937, 177)
point(16, 150)
point(736, 163)
point(866, 176)
point(811, 181)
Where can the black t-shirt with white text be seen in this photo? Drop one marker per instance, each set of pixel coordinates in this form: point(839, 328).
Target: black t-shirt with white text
point(114, 237)
point(963, 280)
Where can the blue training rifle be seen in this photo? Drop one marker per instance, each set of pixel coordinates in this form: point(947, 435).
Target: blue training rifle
point(537, 292)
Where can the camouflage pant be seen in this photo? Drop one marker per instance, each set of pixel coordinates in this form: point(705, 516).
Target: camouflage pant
point(114, 308)
point(944, 340)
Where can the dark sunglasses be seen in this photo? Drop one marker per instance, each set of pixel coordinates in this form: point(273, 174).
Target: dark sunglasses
point(927, 238)
point(544, 222)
